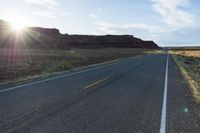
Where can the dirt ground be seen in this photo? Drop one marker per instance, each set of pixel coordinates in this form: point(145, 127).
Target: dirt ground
point(189, 60)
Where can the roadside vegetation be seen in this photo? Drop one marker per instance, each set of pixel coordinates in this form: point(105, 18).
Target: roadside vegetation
point(189, 64)
point(27, 64)
point(59, 66)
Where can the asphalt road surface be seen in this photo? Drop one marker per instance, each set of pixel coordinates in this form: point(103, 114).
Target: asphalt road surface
point(146, 94)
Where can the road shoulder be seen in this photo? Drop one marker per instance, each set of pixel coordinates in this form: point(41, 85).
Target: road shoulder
point(183, 112)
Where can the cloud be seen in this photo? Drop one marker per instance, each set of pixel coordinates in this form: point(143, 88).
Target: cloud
point(66, 13)
point(184, 36)
point(172, 12)
point(114, 28)
point(92, 15)
point(100, 9)
point(46, 3)
point(46, 14)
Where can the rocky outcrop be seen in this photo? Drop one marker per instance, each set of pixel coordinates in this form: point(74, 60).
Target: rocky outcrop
point(107, 41)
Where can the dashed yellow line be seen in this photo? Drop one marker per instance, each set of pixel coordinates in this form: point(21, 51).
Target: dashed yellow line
point(97, 82)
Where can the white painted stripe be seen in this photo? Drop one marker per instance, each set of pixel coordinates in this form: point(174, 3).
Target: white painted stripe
point(49, 79)
point(164, 107)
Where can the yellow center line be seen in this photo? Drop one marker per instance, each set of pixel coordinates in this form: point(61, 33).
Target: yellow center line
point(97, 82)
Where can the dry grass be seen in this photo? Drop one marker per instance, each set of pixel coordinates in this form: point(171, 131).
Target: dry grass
point(188, 53)
point(20, 64)
point(189, 63)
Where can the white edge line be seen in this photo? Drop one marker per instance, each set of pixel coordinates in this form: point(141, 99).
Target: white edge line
point(49, 79)
point(164, 107)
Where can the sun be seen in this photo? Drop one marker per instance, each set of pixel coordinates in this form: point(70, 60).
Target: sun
point(17, 26)
point(17, 22)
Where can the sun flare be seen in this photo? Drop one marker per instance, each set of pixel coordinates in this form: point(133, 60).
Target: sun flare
point(17, 27)
point(17, 22)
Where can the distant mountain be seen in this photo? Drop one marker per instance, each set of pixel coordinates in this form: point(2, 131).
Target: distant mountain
point(46, 38)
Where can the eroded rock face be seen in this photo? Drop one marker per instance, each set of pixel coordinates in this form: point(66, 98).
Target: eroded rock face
point(51, 38)
point(46, 31)
point(118, 41)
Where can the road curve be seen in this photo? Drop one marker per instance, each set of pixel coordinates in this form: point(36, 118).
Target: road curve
point(136, 95)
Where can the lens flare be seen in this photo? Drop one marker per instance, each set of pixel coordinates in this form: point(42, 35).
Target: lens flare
point(17, 26)
point(18, 22)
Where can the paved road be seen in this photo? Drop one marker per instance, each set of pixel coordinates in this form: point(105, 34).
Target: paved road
point(146, 94)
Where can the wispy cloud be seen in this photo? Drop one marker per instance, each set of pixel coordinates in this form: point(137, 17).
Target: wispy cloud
point(92, 15)
point(172, 12)
point(114, 28)
point(46, 3)
point(100, 9)
point(47, 14)
point(66, 13)
point(182, 36)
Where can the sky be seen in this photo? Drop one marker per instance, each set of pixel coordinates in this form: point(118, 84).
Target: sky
point(167, 22)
